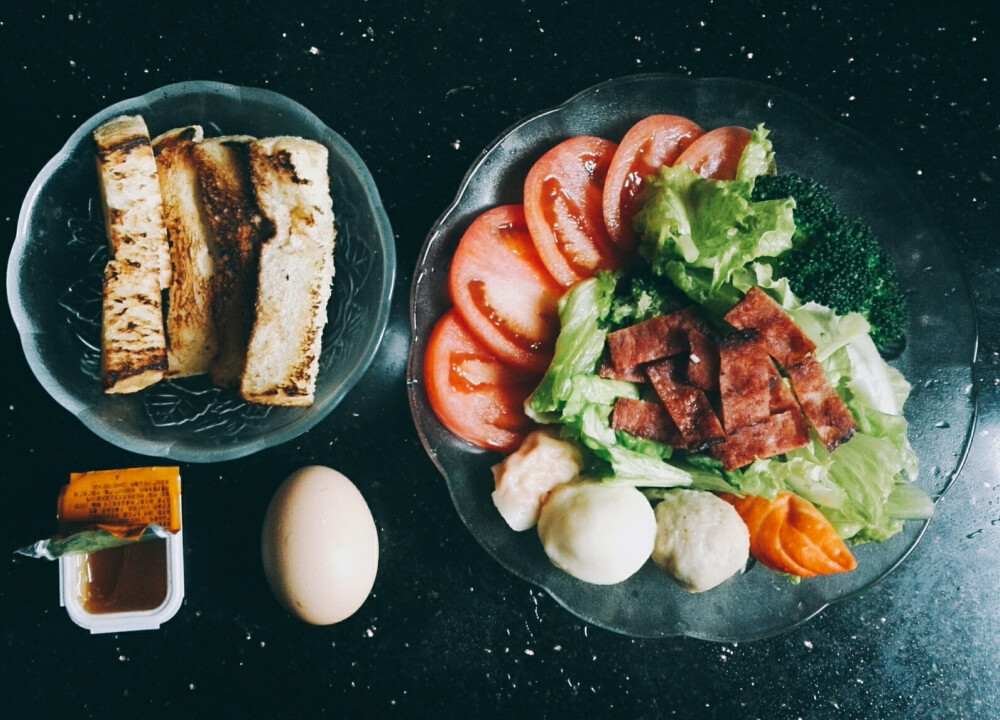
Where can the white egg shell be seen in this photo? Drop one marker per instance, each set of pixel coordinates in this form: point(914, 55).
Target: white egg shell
point(319, 546)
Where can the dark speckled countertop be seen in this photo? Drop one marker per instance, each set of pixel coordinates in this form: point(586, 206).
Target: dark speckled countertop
point(419, 89)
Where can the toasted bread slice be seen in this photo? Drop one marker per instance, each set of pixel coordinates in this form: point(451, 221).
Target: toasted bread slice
point(133, 344)
point(296, 270)
point(191, 338)
point(238, 228)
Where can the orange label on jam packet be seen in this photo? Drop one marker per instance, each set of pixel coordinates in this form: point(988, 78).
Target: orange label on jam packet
point(137, 496)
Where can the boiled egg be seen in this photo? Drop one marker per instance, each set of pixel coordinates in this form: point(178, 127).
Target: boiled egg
point(319, 546)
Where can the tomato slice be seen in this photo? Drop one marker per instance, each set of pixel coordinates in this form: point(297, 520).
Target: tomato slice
point(716, 154)
point(563, 204)
point(502, 290)
point(650, 144)
point(477, 397)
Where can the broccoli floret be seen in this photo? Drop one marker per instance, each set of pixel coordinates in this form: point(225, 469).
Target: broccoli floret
point(887, 316)
point(837, 261)
point(640, 296)
point(815, 209)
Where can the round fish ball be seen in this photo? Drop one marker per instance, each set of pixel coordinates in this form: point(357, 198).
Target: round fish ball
point(700, 539)
point(600, 534)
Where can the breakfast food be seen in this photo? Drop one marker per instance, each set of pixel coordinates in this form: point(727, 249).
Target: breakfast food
point(694, 349)
point(190, 326)
point(319, 546)
point(238, 229)
point(221, 260)
point(296, 269)
point(133, 342)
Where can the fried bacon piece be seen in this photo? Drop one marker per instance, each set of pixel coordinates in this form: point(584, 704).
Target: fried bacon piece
point(784, 340)
point(703, 362)
point(774, 435)
point(645, 419)
point(747, 376)
point(827, 412)
point(634, 374)
point(688, 406)
point(653, 339)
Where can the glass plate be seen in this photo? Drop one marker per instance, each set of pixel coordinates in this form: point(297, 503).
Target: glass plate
point(937, 360)
point(55, 270)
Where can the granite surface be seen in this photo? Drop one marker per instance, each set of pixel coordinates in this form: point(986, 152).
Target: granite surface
point(419, 89)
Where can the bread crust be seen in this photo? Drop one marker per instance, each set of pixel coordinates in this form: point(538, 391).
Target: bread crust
point(296, 269)
point(133, 342)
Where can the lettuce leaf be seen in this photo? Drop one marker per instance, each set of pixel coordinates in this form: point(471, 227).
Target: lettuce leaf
point(758, 156)
point(699, 232)
point(579, 345)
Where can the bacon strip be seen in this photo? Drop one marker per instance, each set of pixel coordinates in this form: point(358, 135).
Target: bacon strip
point(747, 377)
point(647, 420)
point(784, 340)
point(703, 362)
point(688, 407)
point(634, 374)
point(827, 412)
point(653, 339)
point(775, 435)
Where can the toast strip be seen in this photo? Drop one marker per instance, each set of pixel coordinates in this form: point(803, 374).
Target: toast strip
point(133, 344)
point(237, 229)
point(191, 337)
point(296, 270)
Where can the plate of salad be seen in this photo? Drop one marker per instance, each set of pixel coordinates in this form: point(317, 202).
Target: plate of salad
point(691, 357)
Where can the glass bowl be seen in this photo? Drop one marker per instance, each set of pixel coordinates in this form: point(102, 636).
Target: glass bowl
point(55, 270)
point(937, 359)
